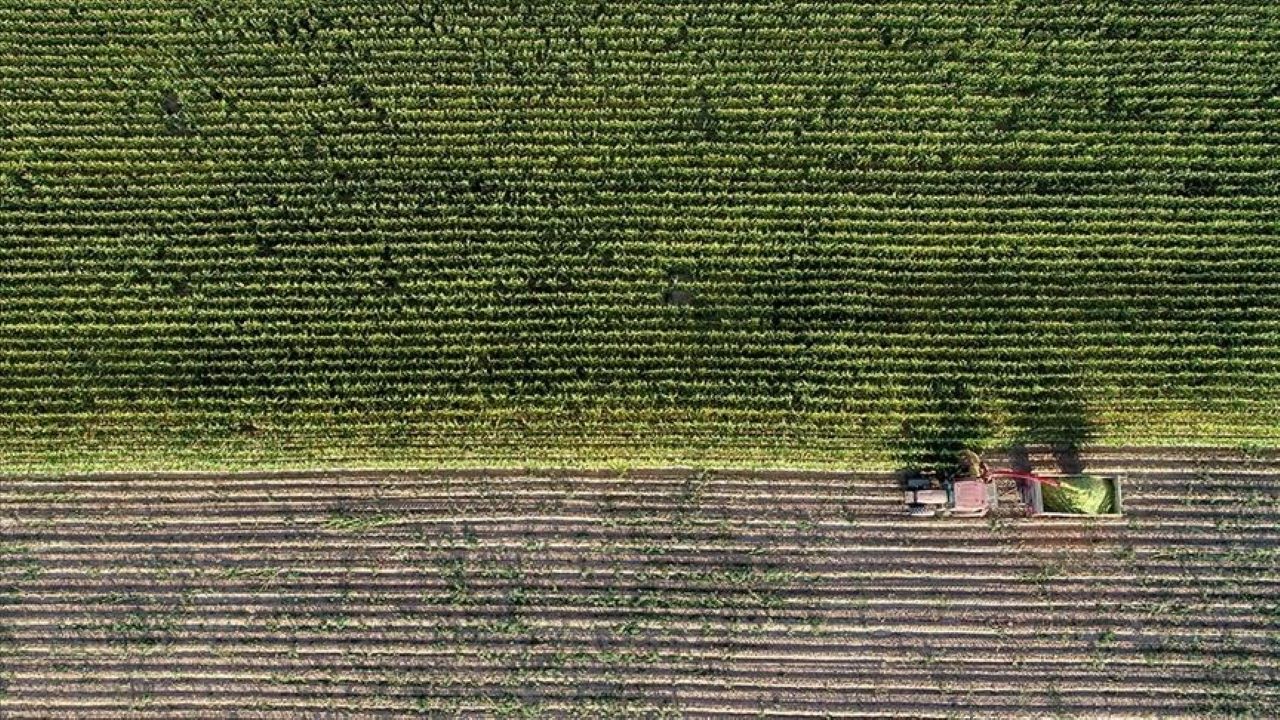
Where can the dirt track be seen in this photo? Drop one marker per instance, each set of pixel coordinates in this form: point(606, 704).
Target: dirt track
point(663, 592)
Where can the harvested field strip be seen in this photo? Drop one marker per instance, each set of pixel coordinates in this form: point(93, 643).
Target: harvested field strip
point(678, 592)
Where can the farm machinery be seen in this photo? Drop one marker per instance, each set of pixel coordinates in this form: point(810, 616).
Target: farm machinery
point(972, 492)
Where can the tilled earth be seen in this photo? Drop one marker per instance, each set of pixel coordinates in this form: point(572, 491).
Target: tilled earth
point(676, 593)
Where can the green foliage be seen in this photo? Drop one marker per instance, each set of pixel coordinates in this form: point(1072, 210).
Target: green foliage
point(343, 521)
point(949, 420)
point(625, 233)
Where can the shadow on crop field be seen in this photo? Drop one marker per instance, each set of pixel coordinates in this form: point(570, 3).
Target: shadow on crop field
point(946, 418)
point(1049, 409)
point(1043, 405)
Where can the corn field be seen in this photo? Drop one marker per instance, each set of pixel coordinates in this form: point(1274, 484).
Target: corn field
point(560, 232)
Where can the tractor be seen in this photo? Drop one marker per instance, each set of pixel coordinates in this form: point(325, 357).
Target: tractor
point(971, 492)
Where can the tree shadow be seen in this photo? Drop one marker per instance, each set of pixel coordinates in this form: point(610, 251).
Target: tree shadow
point(947, 418)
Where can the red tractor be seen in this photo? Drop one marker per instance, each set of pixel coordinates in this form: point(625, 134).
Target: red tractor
point(971, 492)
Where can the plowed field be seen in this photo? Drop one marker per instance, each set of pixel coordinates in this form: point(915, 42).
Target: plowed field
point(682, 593)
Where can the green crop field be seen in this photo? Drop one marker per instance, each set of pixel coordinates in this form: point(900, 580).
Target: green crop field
point(746, 233)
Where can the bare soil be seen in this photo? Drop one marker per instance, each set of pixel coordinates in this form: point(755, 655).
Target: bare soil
point(679, 592)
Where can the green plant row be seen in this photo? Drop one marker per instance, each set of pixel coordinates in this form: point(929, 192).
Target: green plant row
point(239, 233)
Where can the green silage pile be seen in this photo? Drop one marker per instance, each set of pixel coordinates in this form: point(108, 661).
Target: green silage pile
point(1083, 495)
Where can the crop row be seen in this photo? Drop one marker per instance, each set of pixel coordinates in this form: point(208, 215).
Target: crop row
point(646, 223)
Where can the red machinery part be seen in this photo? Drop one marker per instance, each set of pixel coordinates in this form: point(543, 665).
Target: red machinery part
point(970, 495)
point(1030, 477)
